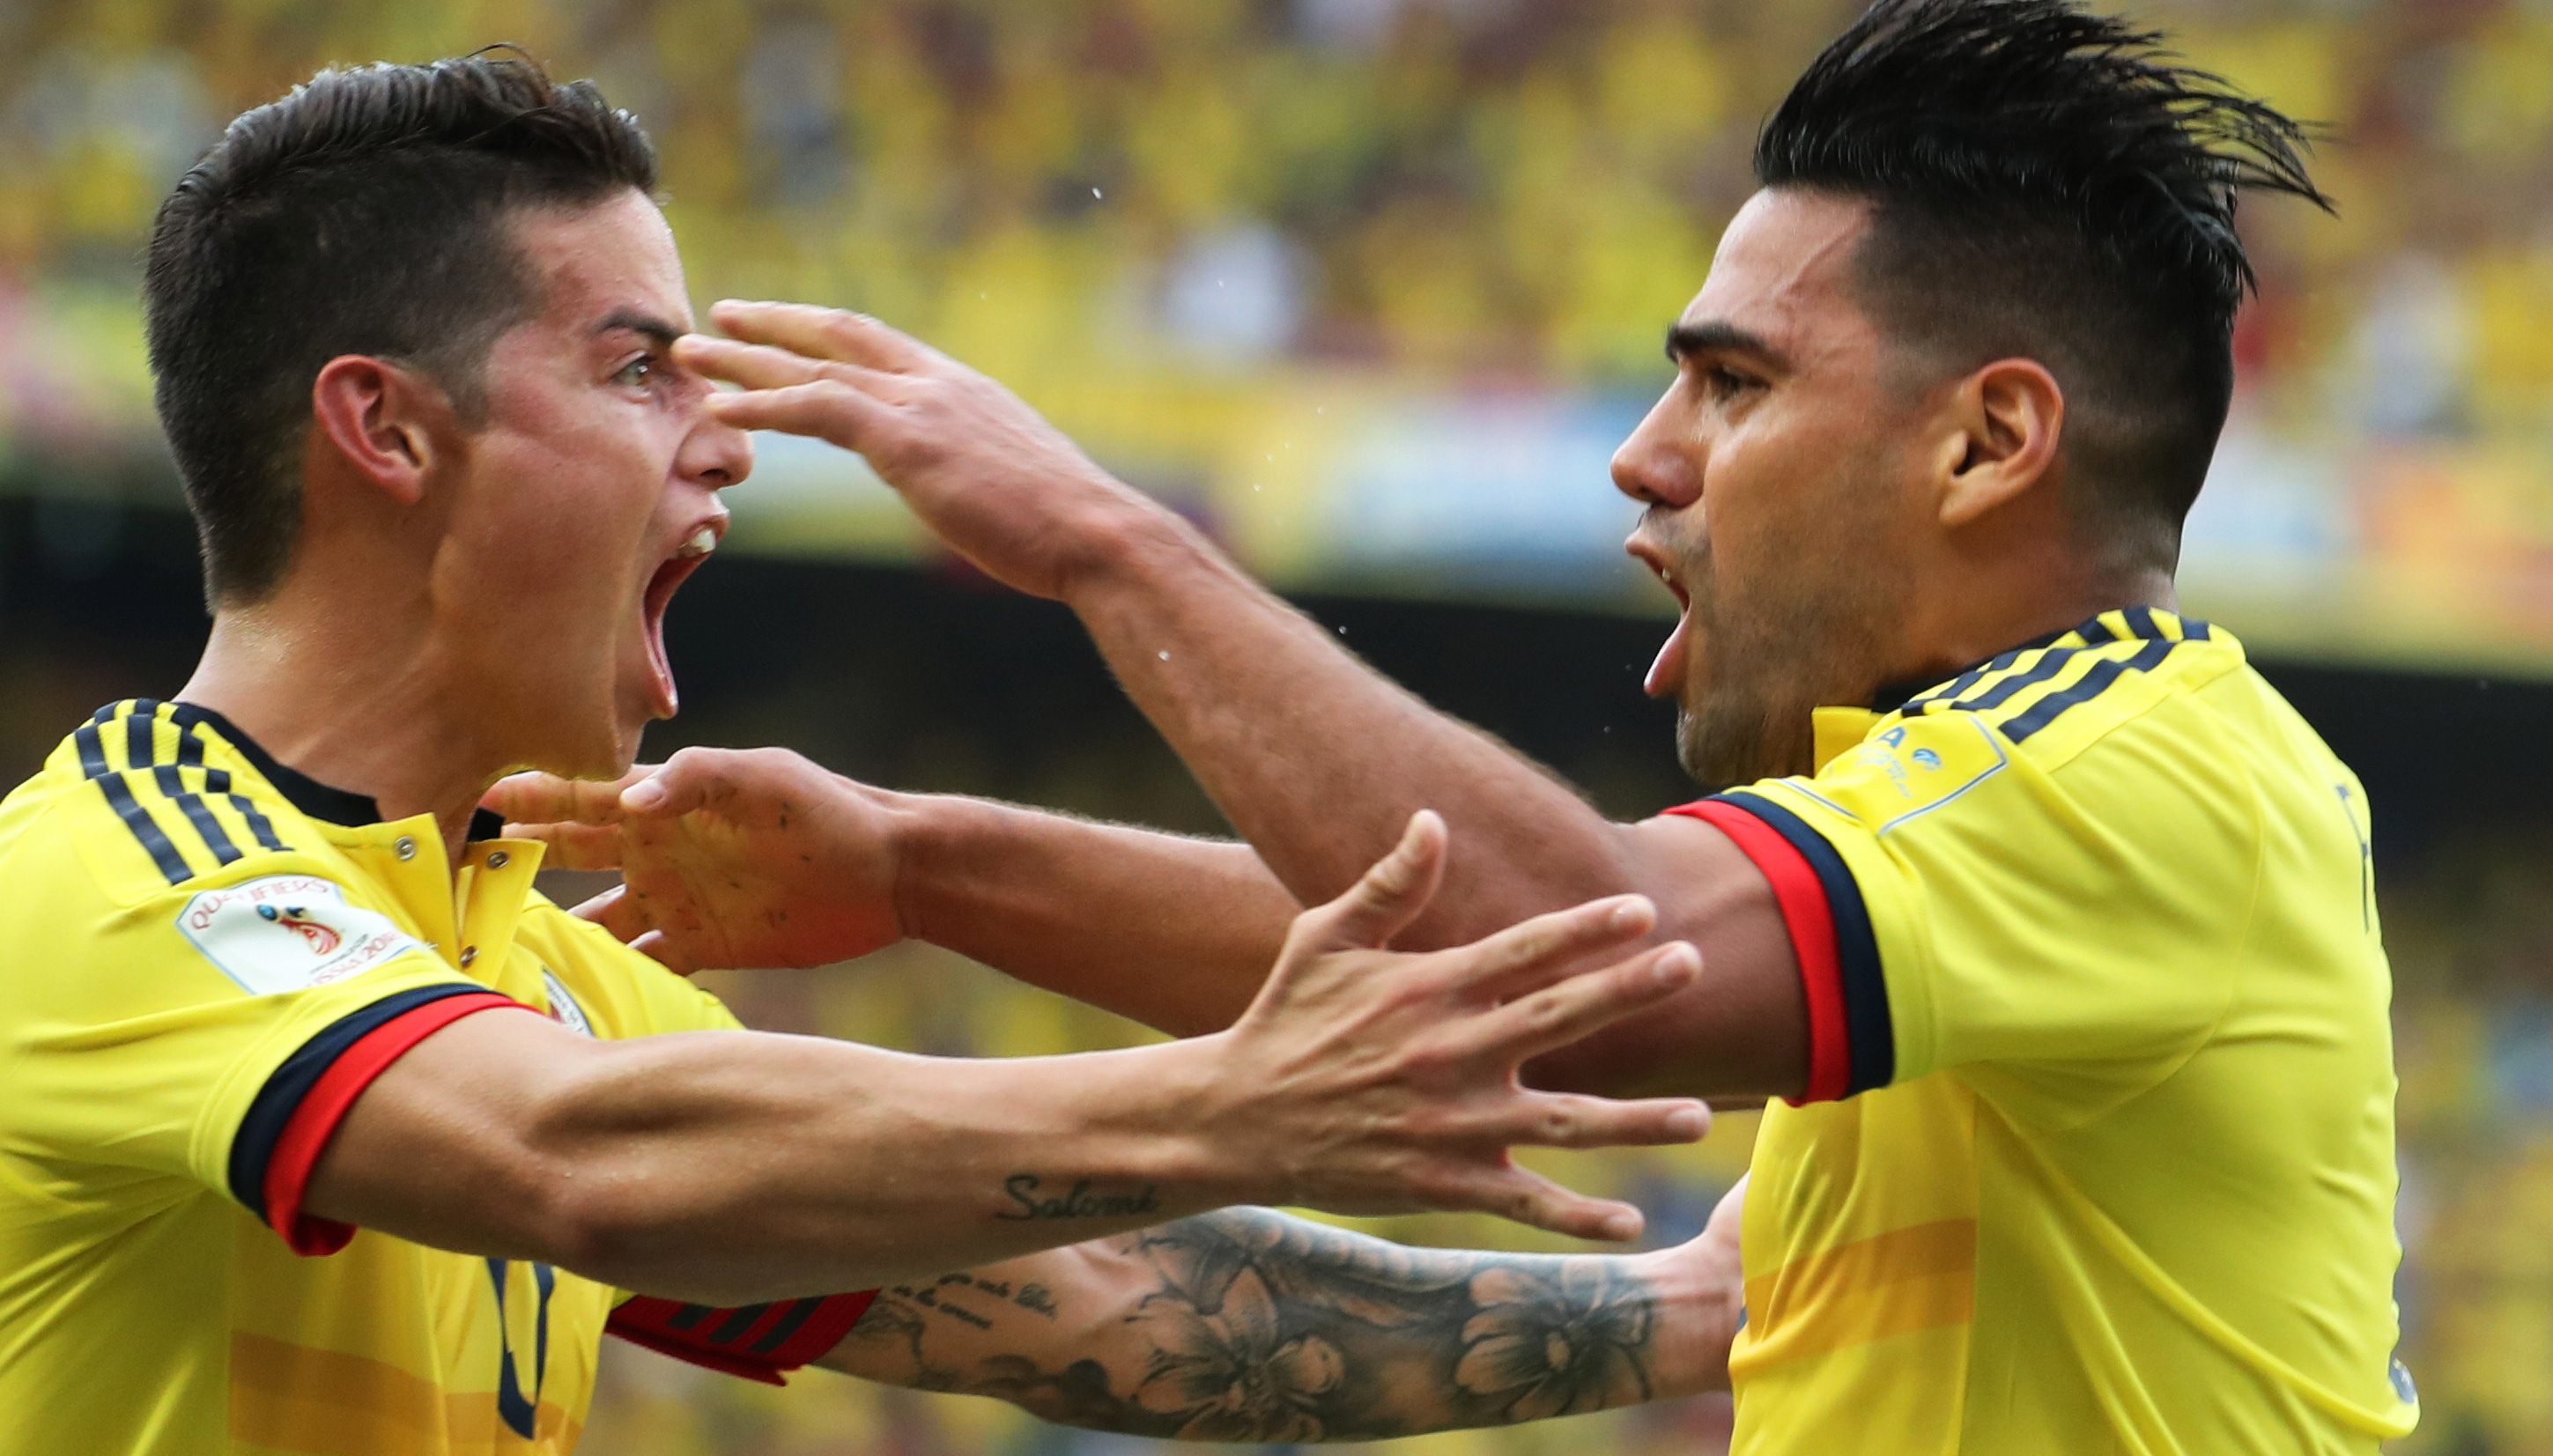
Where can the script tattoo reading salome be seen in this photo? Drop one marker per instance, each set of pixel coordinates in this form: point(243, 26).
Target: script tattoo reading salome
point(1080, 1202)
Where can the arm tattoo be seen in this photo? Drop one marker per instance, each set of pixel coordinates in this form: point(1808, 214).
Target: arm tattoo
point(1261, 1327)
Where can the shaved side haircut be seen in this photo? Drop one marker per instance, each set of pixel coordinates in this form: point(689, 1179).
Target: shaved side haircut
point(364, 213)
point(2047, 183)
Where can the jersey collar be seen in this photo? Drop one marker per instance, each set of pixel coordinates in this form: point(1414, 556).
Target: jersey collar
point(331, 805)
point(1835, 730)
point(2119, 625)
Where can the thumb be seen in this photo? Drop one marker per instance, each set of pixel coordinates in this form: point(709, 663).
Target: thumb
point(1388, 897)
point(681, 786)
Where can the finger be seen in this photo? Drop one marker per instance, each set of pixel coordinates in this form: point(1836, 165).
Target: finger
point(1536, 953)
point(663, 952)
point(573, 846)
point(1529, 1199)
point(1387, 897)
point(762, 367)
point(695, 778)
point(754, 365)
point(826, 410)
point(824, 333)
point(1574, 1120)
point(1557, 1015)
point(542, 798)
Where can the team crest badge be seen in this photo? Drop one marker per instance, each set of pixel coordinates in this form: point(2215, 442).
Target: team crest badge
point(288, 932)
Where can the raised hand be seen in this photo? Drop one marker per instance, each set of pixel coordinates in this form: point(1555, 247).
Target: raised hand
point(1376, 1082)
point(985, 472)
point(727, 859)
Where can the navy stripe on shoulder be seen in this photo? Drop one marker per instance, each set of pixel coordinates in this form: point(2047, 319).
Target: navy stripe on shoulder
point(190, 752)
point(141, 750)
point(270, 1111)
point(2090, 686)
point(119, 797)
point(1868, 1025)
point(2004, 689)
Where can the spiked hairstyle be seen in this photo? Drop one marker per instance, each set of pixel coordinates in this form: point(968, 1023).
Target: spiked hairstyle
point(2047, 183)
point(364, 213)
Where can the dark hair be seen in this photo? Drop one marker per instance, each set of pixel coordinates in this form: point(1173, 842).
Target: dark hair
point(2050, 185)
point(364, 213)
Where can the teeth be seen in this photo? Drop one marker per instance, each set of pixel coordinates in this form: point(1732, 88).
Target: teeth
point(702, 542)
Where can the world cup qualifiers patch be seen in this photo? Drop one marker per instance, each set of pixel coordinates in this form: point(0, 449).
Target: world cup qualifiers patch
point(288, 932)
point(1927, 768)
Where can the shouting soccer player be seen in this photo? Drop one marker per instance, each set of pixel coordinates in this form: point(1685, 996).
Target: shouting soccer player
point(269, 982)
point(2048, 919)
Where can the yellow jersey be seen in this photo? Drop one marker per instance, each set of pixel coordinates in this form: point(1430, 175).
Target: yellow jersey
point(209, 956)
point(2096, 1154)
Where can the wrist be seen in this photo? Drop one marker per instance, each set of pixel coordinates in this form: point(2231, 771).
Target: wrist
point(1129, 538)
point(1694, 1313)
point(927, 838)
point(1206, 1127)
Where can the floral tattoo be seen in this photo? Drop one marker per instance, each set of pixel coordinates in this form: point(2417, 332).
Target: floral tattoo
point(1267, 1328)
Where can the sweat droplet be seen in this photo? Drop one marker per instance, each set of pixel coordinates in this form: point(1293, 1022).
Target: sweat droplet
point(1165, 656)
point(1094, 191)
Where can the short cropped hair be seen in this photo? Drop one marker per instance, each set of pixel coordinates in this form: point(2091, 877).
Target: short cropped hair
point(364, 213)
point(2047, 183)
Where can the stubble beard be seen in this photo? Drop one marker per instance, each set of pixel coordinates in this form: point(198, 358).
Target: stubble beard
point(1746, 711)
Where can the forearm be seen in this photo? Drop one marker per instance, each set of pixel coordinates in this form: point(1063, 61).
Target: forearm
point(1317, 758)
point(1247, 1326)
point(1174, 931)
point(732, 1167)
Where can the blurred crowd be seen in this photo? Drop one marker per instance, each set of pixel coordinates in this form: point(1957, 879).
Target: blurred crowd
point(1212, 202)
point(1515, 189)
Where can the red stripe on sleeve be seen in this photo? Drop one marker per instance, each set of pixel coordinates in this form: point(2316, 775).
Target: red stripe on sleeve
point(1811, 921)
point(314, 1121)
point(649, 1322)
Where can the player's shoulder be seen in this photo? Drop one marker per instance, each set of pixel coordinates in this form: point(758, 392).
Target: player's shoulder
point(147, 801)
point(151, 865)
point(2113, 723)
point(2059, 697)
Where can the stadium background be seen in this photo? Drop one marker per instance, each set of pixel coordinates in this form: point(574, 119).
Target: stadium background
point(1371, 287)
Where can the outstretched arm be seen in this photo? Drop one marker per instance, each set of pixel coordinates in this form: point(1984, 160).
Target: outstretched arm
point(730, 1168)
point(1248, 1326)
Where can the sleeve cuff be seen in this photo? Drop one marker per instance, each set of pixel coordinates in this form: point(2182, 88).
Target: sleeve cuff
point(759, 1342)
point(1852, 1043)
point(295, 1114)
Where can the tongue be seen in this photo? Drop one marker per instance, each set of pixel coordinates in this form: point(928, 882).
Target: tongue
point(1666, 675)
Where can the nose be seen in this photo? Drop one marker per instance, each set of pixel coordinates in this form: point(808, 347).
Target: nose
point(715, 455)
point(1658, 464)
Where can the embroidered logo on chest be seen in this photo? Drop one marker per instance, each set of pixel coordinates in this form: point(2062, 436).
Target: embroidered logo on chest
point(288, 932)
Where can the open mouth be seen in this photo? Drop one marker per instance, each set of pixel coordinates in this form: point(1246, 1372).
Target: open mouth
point(669, 578)
point(1667, 673)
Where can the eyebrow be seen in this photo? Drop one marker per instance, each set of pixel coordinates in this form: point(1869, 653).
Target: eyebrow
point(1720, 337)
point(646, 325)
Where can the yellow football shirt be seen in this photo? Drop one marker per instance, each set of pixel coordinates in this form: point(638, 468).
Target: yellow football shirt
point(208, 956)
point(2097, 1152)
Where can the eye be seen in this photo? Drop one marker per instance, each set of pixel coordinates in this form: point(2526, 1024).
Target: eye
point(637, 374)
point(1724, 383)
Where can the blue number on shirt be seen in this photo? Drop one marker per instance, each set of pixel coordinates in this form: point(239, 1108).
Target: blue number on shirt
point(513, 1408)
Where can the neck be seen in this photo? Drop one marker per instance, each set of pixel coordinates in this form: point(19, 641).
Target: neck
point(348, 697)
point(1989, 614)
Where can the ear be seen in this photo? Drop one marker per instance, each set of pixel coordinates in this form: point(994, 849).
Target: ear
point(2007, 421)
point(381, 418)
